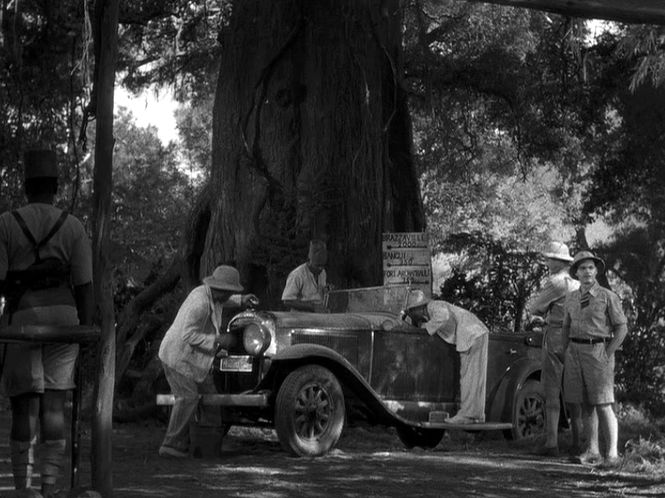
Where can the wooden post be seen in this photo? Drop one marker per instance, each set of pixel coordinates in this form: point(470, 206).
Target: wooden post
point(106, 17)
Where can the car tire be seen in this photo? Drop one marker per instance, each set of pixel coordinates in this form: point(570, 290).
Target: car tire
point(528, 411)
point(310, 411)
point(422, 438)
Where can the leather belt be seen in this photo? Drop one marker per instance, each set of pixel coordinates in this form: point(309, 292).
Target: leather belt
point(594, 340)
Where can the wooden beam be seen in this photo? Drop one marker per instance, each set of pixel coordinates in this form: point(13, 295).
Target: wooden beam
point(626, 11)
point(49, 333)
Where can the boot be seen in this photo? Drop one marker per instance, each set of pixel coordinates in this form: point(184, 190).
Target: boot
point(51, 459)
point(23, 461)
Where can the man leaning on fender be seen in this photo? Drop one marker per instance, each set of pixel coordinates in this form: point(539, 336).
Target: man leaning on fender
point(594, 326)
point(189, 347)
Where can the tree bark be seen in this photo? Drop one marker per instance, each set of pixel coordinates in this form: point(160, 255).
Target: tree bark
point(106, 21)
point(626, 11)
point(311, 139)
point(128, 336)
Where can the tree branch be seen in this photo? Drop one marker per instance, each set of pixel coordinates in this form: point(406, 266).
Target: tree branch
point(626, 11)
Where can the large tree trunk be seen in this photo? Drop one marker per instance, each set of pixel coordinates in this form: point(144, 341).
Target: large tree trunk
point(311, 139)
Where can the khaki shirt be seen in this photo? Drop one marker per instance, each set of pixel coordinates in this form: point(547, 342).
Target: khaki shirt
point(70, 244)
point(454, 325)
point(302, 285)
point(598, 319)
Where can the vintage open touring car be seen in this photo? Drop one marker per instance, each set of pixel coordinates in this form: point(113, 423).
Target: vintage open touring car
point(305, 374)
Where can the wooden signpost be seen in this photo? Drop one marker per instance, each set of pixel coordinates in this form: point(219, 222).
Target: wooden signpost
point(407, 260)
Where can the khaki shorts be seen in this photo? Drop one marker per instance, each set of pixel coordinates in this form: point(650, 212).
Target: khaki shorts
point(588, 375)
point(552, 364)
point(33, 368)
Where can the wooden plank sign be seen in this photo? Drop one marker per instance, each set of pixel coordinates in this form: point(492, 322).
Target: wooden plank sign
point(407, 260)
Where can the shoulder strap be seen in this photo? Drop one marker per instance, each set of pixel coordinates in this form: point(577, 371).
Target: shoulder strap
point(26, 231)
point(54, 229)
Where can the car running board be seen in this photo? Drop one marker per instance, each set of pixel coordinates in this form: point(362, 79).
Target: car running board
point(437, 421)
point(484, 426)
point(253, 400)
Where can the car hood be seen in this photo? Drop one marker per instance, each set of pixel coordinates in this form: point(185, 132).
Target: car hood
point(355, 321)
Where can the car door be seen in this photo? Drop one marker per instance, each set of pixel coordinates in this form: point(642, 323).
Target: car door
point(410, 365)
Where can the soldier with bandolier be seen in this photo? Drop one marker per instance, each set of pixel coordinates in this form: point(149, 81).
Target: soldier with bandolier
point(46, 278)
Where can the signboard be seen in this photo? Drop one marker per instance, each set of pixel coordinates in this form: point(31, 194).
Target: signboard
point(407, 260)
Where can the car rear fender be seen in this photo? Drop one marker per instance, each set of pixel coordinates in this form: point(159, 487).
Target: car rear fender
point(295, 356)
point(501, 400)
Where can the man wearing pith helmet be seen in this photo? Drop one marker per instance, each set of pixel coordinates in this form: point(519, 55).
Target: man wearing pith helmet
point(189, 348)
point(594, 326)
point(548, 305)
point(46, 275)
point(470, 336)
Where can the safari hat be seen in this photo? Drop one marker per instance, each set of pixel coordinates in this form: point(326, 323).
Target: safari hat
point(416, 299)
point(40, 163)
point(583, 256)
point(559, 251)
point(224, 278)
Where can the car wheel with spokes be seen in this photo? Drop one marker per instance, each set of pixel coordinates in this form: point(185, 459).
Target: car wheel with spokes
point(528, 411)
point(309, 411)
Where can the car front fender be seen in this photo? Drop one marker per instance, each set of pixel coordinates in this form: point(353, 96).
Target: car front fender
point(300, 354)
point(501, 400)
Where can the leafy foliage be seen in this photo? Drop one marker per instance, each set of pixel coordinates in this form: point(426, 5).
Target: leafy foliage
point(151, 195)
point(509, 110)
point(646, 45)
point(194, 123)
point(43, 74)
point(491, 281)
point(172, 42)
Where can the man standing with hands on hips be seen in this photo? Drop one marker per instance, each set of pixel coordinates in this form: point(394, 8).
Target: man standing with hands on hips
point(594, 326)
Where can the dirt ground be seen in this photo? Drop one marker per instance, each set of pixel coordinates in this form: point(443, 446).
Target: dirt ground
point(368, 462)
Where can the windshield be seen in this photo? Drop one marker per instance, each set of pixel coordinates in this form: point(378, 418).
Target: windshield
point(390, 298)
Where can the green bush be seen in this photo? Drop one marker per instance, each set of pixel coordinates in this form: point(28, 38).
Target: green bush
point(493, 282)
point(640, 373)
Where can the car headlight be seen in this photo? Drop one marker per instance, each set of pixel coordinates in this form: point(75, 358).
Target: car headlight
point(256, 339)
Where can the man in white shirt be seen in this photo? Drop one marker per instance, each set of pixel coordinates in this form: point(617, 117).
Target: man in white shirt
point(306, 284)
point(189, 348)
point(470, 337)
